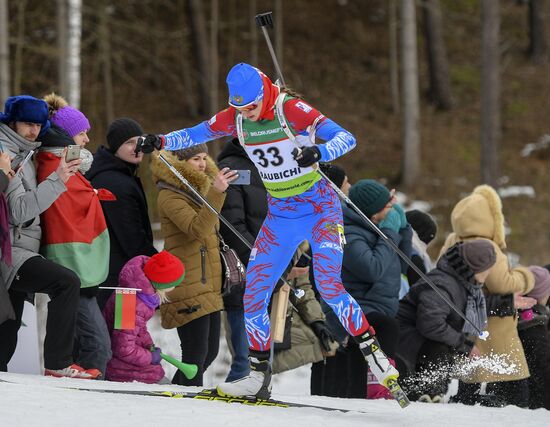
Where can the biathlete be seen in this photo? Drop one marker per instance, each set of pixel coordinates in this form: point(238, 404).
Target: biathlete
point(301, 205)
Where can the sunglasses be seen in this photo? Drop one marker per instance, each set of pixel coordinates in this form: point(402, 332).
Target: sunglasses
point(247, 108)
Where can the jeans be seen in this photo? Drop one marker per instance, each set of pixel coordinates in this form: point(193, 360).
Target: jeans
point(238, 342)
point(92, 341)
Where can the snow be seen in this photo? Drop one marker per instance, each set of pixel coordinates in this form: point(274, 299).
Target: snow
point(34, 402)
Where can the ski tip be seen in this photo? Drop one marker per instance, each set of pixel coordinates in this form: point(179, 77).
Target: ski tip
point(483, 335)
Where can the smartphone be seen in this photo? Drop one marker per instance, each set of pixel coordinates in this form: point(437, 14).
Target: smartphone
point(18, 166)
point(243, 177)
point(73, 153)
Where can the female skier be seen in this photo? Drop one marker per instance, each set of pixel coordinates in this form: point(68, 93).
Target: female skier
point(278, 132)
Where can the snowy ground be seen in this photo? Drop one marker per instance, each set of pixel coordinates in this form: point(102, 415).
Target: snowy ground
point(34, 402)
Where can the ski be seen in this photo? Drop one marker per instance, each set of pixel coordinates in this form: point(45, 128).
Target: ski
point(205, 395)
point(398, 393)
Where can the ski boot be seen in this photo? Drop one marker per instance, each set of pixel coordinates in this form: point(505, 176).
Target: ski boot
point(381, 366)
point(257, 383)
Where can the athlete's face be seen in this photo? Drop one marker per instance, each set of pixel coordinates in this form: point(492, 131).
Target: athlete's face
point(252, 112)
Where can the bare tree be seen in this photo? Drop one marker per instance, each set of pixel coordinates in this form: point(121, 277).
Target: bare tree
point(253, 10)
point(278, 23)
point(411, 104)
point(440, 82)
point(69, 25)
point(214, 63)
point(4, 52)
point(200, 47)
point(394, 61)
point(104, 41)
point(538, 45)
point(19, 45)
point(490, 90)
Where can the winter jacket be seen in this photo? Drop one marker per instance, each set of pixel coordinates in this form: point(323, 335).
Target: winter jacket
point(131, 347)
point(423, 315)
point(26, 201)
point(371, 269)
point(479, 215)
point(245, 208)
point(74, 232)
point(127, 218)
point(189, 231)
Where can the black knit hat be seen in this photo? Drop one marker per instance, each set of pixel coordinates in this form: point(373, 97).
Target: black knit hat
point(370, 196)
point(423, 224)
point(478, 254)
point(120, 131)
point(333, 172)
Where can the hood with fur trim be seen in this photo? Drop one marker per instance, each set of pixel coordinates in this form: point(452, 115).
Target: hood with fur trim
point(200, 180)
point(480, 215)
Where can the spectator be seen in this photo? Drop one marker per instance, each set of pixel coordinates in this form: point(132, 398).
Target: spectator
point(190, 233)
point(534, 336)
point(74, 232)
point(23, 121)
point(431, 334)
point(115, 168)
point(135, 357)
point(6, 173)
point(337, 175)
point(479, 216)
point(372, 271)
point(424, 231)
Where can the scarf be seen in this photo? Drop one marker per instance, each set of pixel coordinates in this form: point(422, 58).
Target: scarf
point(5, 243)
point(85, 155)
point(271, 92)
point(151, 300)
point(475, 309)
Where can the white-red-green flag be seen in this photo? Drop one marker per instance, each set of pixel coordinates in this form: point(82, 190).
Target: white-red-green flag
point(125, 309)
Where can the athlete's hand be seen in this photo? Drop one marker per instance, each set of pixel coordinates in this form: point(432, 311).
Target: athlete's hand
point(147, 143)
point(307, 156)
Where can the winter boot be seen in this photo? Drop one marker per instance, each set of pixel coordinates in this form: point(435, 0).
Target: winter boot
point(257, 383)
point(73, 371)
point(379, 363)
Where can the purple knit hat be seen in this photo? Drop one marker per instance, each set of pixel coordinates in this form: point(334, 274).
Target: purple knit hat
point(542, 282)
point(70, 120)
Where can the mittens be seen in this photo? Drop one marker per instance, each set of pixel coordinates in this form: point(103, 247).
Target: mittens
point(392, 221)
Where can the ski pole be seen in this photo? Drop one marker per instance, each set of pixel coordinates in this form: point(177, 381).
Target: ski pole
point(265, 19)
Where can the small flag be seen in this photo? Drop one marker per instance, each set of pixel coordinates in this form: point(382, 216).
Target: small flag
point(125, 309)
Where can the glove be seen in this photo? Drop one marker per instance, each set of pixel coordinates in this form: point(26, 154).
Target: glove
point(105, 195)
point(307, 156)
point(466, 346)
point(391, 221)
point(155, 356)
point(324, 335)
point(402, 215)
point(148, 143)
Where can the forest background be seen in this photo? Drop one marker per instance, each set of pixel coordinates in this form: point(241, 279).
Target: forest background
point(458, 87)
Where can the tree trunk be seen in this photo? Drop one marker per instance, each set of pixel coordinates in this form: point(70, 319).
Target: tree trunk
point(538, 46)
point(440, 82)
point(74, 13)
point(394, 61)
point(278, 24)
point(189, 97)
point(20, 43)
point(214, 66)
point(4, 53)
point(105, 55)
point(411, 106)
point(200, 47)
point(490, 91)
point(62, 47)
point(253, 33)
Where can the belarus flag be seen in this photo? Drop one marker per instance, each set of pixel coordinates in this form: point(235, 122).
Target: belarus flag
point(125, 309)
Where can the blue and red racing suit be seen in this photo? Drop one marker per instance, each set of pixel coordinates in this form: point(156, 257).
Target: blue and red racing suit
point(301, 206)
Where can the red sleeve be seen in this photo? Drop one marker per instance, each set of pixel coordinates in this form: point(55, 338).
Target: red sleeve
point(223, 122)
point(300, 114)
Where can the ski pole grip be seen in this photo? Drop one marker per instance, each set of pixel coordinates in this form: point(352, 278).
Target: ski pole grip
point(264, 19)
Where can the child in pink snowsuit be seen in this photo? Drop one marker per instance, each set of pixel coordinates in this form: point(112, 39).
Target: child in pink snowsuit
point(134, 356)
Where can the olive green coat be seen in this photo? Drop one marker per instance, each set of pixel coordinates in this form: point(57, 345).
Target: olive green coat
point(189, 232)
point(479, 215)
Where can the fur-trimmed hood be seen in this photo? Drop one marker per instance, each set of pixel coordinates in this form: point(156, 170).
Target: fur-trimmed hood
point(200, 180)
point(480, 215)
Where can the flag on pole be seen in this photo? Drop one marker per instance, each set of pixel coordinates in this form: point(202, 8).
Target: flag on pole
point(125, 309)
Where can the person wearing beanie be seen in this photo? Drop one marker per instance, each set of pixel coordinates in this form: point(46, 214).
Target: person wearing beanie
point(24, 120)
point(535, 338)
point(371, 273)
point(479, 216)
point(190, 232)
point(424, 230)
point(135, 356)
point(432, 336)
point(115, 168)
point(337, 175)
point(282, 147)
point(74, 230)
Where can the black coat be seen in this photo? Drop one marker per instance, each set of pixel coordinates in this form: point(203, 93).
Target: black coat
point(423, 315)
point(245, 206)
point(127, 217)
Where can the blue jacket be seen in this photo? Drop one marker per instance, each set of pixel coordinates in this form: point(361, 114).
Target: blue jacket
point(371, 269)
